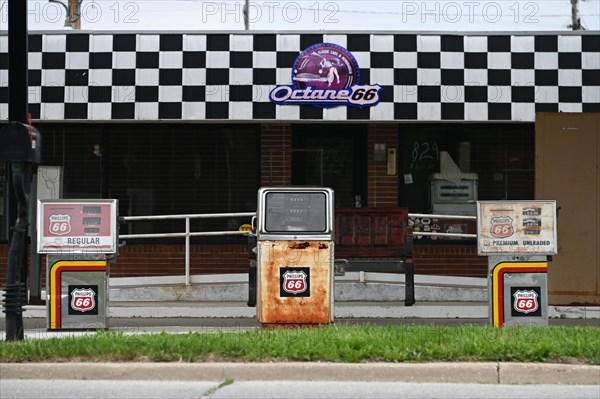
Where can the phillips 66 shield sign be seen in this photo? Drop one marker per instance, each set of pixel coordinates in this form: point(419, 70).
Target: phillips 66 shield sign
point(525, 301)
point(294, 281)
point(82, 299)
point(501, 227)
point(59, 224)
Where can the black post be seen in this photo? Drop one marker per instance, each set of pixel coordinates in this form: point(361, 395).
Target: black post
point(252, 270)
point(35, 259)
point(17, 61)
point(409, 278)
point(16, 276)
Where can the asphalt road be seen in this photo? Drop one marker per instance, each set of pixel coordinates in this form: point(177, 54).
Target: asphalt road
point(40, 389)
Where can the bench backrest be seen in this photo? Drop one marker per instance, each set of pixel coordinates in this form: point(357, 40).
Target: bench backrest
point(371, 232)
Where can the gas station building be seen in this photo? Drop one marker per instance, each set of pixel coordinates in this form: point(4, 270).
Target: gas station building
point(186, 123)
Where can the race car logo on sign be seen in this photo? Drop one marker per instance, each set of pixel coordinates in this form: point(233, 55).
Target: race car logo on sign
point(83, 299)
point(294, 282)
point(60, 225)
point(525, 301)
point(326, 75)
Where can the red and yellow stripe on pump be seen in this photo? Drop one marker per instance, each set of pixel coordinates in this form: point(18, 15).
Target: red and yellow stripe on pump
point(498, 284)
point(55, 283)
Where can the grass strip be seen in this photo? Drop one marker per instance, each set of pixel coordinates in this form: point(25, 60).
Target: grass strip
point(339, 343)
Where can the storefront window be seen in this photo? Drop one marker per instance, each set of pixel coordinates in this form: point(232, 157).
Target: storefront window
point(160, 170)
point(184, 170)
point(325, 155)
point(499, 157)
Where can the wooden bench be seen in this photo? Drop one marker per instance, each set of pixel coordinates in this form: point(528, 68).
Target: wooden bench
point(375, 240)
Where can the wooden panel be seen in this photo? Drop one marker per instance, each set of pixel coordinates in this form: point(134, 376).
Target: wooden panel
point(568, 171)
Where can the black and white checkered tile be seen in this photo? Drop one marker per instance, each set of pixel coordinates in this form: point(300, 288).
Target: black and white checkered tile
point(425, 77)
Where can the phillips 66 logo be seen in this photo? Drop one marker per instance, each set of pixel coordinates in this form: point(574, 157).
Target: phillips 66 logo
point(60, 225)
point(83, 299)
point(295, 282)
point(525, 301)
point(501, 227)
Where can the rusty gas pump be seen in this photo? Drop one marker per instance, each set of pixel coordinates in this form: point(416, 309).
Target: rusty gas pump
point(295, 256)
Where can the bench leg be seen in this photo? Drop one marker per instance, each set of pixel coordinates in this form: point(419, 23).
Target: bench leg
point(409, 275)
point(252, 284)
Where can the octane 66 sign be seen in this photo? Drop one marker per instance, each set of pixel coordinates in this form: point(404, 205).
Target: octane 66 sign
point(79, 226)
point(516, 227)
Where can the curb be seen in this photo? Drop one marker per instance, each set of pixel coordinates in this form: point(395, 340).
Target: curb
point(489, 373)
point(345, 310)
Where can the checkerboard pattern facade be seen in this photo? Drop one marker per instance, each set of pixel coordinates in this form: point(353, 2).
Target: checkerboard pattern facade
point(216, 76)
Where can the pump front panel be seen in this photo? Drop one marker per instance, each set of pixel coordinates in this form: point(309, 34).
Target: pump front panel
point(525, 299)
point(296, 282)
point(77, 293)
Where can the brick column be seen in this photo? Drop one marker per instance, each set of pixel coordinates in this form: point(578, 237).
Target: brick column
point(275, 154)
point(383, 188)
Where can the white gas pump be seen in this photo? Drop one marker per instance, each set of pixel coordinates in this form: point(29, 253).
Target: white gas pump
point(80, 239)
point(517, 237)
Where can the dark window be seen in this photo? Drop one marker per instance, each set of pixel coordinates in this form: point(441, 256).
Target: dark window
point(502, 156)
point(160, 170)
point(323, 155)
point(178, 169)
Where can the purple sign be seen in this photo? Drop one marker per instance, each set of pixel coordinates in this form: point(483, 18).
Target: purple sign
point(326, 75)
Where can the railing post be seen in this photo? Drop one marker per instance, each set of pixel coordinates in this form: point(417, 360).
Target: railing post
point(187, 251)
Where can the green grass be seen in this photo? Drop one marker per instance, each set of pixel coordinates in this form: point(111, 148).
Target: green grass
point(397, 343)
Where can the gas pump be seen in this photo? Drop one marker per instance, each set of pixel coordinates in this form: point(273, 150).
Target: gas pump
point(295, 253)
point(80, 239)
point(517, 237)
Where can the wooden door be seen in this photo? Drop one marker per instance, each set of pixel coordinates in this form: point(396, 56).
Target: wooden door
point(568, 171)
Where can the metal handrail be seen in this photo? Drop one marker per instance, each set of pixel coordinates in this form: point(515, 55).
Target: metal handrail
point(187, 233)
point(436, 216)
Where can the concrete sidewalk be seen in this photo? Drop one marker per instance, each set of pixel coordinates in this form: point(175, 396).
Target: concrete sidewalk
point(342, 310)
point(486, 373)
point(358, 295)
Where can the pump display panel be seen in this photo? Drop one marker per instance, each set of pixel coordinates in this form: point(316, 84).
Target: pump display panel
point(78, 226)
point(295, 212)
point(517, 227)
